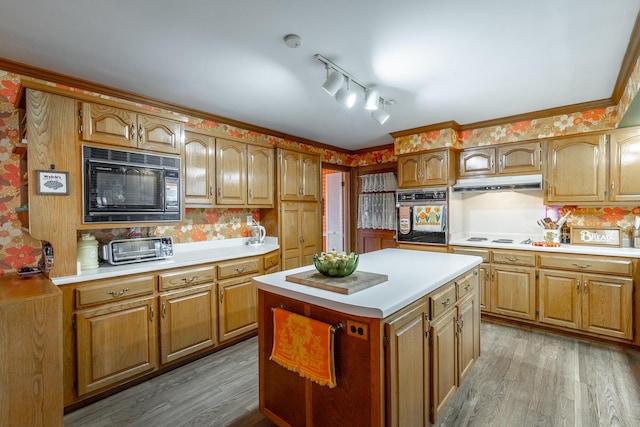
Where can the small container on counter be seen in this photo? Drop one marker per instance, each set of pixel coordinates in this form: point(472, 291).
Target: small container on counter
point(88, 252)
point(565, 234)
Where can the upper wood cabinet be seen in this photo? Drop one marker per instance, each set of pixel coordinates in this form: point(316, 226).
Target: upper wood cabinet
point(244, 174)
point(505, 159)
point(433, 168)
point(576, 170)
point(299, 176)
point(624, 166)
point(117, 126)
point(199, 170)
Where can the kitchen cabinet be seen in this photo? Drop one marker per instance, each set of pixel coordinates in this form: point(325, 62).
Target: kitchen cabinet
point(272, 262)
point(244, 174)
point(300, 235)
point(237, 297)
point(596, 298)
point(31, 355)
point(455, 337)
point(199, 170)
point(129, 129)
point(624, 166)
point(299, 175)
point(504, 159)
point(513, 284)
point(188, 312)
point(408, 372)
point(111, 315)
point(576, 170)
point(432, 168)
point(484, 273)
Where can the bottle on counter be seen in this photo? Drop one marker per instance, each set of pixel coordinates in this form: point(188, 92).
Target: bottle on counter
point(565, 234)
point(88, 252)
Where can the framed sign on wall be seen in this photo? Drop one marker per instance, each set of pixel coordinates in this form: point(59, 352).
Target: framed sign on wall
point(52, 182)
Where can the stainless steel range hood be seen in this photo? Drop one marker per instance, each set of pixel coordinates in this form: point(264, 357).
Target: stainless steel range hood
point(499, 183)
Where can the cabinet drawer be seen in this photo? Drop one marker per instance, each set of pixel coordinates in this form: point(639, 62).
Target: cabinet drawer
point(442, 299)
point(238, 268)
point(465, 284)
point(513, 258)
point(109, 290)
point(587, 263)
point(186, 277)
point(271, 260)
point(483, 253)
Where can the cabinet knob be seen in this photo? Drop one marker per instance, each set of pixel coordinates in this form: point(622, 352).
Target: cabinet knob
point(613, 188)
point(577, 286)
point(151, 313)
point(141, 133)
point(133, 131)
point(164, 309)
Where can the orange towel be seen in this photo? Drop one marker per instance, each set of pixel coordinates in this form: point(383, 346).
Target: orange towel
point(304, 345)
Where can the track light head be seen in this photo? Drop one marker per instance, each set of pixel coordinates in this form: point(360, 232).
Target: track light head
point(371, 99)
point(380, 115)
point(333, 83)
point(346, 96)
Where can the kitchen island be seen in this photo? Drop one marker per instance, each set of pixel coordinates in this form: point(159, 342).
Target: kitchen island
point(393, 343)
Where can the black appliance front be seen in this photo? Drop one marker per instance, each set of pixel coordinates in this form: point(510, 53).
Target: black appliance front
point(123, 186)
point(422, 216)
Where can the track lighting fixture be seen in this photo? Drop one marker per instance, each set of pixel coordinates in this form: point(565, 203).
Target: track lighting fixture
point(335, 81)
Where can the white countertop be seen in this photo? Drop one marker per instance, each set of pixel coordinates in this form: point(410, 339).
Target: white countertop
point(412, 275)
point(563, 248)
point(184, 254)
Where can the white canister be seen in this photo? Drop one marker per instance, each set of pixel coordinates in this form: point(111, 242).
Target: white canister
point(88, 252)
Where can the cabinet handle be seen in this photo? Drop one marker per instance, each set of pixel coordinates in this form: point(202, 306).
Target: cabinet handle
point(190, 279)
point(133, 131)
point(613, 188)
point(164, 310)
point(493, 276)
point(460, 323)
point(241, 269)
point(467, 286)
point(219, 192)
point(251, 193)
point(577, 286)
point(492, 164)
point(584, 284)
point(446, 302)
point(486, 275)
point(210, 191)
point(512, 259)
point(151, 311)
point(581, 265)
point(116, 294)
point(300, 191)
point(549, 192)
point(221, 296)
point(140, 133)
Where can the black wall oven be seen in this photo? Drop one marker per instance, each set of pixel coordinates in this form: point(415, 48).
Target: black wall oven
point(127, 186)
point(422, 216)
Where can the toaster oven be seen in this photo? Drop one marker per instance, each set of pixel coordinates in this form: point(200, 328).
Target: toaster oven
point(125, 251)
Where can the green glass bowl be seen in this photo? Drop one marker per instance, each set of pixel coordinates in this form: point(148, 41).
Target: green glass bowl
point(334, 266)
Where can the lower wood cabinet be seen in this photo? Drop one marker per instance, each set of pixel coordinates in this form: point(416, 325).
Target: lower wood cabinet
point(187, 322)
point(116, 342)
point(513, 291)
point(300, 233)
point(237, 307)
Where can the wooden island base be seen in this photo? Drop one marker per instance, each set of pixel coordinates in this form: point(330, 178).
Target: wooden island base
point(397, 370)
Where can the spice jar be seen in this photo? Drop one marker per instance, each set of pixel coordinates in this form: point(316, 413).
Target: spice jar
point(565, 236)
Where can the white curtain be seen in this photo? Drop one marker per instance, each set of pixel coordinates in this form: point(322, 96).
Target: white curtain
point(377, 203)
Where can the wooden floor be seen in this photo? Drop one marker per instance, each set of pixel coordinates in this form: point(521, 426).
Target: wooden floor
point(523, 378)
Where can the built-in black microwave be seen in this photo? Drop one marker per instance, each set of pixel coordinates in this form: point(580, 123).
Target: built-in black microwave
point(127, 186)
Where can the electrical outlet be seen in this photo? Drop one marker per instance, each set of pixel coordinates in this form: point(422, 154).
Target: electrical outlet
point(358, 330)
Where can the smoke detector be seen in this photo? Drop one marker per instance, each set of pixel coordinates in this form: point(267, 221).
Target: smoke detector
point(292, 40)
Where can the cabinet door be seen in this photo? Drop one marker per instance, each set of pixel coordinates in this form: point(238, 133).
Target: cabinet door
point(607, 305)
point(407, 370)
point(237, 302)
point(231, 172)
point(103, 333)
point(560, 298)
point(485, 286)
point(108, 125)
point(310, 173)
point(290, 237)
point(290, 175)
point(576, 170)
point(409, 171)
point(468, 336)
point(435, 167)
point(187, 322)
point(477, 161)
point(260, 176)
point(159, 134)
point(624, 166)
point(519, 158)
point(513, 291)
point(444, 360)
point(199, 168)
point(310, 232)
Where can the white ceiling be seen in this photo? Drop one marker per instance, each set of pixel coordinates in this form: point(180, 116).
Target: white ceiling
point(462, 60)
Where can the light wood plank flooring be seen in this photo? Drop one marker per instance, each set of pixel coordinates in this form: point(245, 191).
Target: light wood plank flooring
point(523, 378)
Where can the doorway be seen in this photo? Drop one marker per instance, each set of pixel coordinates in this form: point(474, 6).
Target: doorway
point(335, 212)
